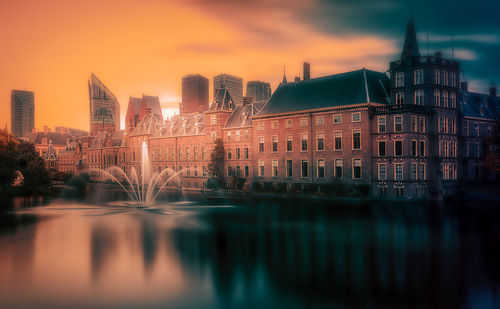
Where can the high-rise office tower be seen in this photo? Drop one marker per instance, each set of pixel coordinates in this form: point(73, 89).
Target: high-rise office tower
point(233, 84)
point(194, 94)
point(259, 91)
point(22, 112)
point(104, 107)
point(307, 71)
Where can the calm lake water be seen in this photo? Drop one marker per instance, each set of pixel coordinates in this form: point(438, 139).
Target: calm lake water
point(195, 252)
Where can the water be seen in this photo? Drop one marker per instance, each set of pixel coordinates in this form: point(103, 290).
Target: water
point(244, 253)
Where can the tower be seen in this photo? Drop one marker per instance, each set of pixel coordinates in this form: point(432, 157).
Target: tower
point(424, 92)
point(104, 107)
point(194, 94)
point(22, 112)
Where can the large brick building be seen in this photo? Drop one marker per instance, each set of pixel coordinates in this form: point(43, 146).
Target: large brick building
point(412, 133)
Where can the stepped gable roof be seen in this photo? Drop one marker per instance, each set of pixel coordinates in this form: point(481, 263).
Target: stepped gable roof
point(150, 102)
point(150, 124)
point(361, 86)
point(51, 153)
point(478, 105)
point(56, 138)
point(410, 47)
point(222, 101)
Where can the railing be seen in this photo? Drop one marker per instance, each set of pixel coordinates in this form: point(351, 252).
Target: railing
point(400, 108)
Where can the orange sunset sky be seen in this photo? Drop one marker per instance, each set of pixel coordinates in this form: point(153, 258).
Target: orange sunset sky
point(135, 47)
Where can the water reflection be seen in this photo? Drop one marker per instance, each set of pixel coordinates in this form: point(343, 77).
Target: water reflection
point(258, 253)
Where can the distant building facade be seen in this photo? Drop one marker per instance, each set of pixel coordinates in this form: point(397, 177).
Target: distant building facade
point(480, 116)
point(233, 84)
point(306, 71)
point(22, 112)
point(194, 94)
point(259, 91)
point(137, 108)
point(104, 107)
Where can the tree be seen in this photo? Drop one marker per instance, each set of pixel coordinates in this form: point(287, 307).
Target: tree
point(216, 166)
point(21, 156)
point(8, 158)
point(32, 166)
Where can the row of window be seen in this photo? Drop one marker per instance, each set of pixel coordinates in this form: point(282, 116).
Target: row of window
point(449, 171)
point(238, 154)
point(237, 135)
point(441, 77)
point(417, 171)
point(304, 121)
point(337, 170)
point(417, 124)
point(472, 129)
point(417, 148)
point(447, 149)
point(187, 171)
point(441, 98)
point(237, 171)
point(473, 151)
point(445, 98)
point(320, 141)
point(447, 125)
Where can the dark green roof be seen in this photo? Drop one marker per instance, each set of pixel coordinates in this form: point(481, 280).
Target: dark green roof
point(362, 86)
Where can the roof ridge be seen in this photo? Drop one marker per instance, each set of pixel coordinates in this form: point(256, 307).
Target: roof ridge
point(366, 86)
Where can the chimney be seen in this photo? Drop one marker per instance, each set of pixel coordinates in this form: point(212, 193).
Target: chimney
point(464, 86)
point(438, 54)
point(307, 71)
point(297, 78)
point(493, 91)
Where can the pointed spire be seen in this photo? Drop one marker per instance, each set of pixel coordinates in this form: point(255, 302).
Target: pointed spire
point(284, 75)
point(410, 47)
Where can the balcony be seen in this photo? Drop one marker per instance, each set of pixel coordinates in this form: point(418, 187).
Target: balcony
point(400, 108)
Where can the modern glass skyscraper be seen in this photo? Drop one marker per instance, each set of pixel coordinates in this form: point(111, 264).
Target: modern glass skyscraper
point(194, 94)
point(22, 112)
point(104, 107)
point(259, 91)
point(233, 84)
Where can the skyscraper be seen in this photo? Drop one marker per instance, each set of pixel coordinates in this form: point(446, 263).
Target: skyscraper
point(307, 71)
point(194, 94)
point(259, 91)
point(22, 112)
point(233, 84)
point(104, 107)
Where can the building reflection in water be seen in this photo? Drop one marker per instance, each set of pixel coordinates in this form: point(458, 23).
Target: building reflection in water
point(419, 256)
point(257, 254)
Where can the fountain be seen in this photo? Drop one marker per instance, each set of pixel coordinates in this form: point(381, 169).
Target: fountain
point(142, 192)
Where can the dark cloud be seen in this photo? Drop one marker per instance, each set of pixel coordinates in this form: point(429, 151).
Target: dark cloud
point(475, 25)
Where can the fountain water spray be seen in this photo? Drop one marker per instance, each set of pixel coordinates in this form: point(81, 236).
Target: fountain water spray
point(145, 191)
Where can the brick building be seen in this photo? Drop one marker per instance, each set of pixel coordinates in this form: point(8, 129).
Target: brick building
point(412, 133)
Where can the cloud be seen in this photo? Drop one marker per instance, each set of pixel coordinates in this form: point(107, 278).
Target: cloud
point(474, 38)
point(204, 48)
